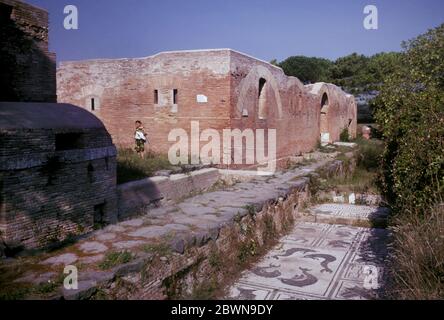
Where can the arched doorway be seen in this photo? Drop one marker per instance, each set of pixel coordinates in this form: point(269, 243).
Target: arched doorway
point(325, 133)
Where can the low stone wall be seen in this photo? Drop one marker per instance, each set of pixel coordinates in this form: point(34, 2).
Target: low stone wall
point(136, 196)
point(208, 262)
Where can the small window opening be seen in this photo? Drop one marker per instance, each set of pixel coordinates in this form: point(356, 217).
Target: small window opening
point(99, 216)
point(175, 96)
point(156, 96)
point(5, 12)
point(68, 141)
point(1, 198)
point(262, 111)
point(324, 103)
point(90, 170)
point(262, 83)
point(93, 104)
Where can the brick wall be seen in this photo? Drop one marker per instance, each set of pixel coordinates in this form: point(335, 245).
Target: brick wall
point(27, 67)
point(338, 110)
point(126, 88)
point(290, 109)
point(55, 180)
point(242, 93)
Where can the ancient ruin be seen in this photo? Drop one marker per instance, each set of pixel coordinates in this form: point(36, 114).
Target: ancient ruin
point(57, 161)
point(27, 67)
point(57, 173)
point(63, 181)
point(220, 88)
point(58, 164)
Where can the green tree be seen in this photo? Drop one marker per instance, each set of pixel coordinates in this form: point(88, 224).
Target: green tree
point(307, 69)
point(358, 73)
point(274, 62)
point(411, 117)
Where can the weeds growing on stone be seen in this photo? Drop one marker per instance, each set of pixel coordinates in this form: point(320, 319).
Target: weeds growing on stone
point(113, 259)
point(159, 249)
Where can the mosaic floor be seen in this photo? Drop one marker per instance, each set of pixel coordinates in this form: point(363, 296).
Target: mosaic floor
point(350, 211)
point(318, 261)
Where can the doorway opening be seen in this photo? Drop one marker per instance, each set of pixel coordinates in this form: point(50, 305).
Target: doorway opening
point(325, 134)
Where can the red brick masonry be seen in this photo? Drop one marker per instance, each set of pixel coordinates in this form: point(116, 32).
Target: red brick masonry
point(220, 88)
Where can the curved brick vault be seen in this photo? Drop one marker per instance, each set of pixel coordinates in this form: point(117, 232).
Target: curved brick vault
point(338, 111)
point(251, 81)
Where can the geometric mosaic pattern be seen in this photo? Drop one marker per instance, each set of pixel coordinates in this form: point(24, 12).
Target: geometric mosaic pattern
point(351, 211)
point(318, 261)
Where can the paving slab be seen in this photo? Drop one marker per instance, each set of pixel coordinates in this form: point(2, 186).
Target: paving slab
point(62, 259)
point(106, 236)
point(128, 244)
point(196, 219)
point(149, 232)
point(92, 259)
point(93, 247)
point(132, 223)
point(36, 278)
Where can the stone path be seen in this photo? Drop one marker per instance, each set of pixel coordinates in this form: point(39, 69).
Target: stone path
point(192, 222)
point(321, 261)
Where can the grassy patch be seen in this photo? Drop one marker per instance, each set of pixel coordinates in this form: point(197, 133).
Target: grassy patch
point(369, 154)
point(113, 259)
point(361, 181)
point(130, 166)
point(20, 291)
point(159, 249)
point(417, 269)
point(206, 290)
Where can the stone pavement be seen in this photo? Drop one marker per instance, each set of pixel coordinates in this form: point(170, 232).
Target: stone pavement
point(192, 222)
point(321, 261)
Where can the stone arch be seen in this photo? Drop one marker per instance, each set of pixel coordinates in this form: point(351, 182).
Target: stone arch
point(253, 80)
point(325, 102)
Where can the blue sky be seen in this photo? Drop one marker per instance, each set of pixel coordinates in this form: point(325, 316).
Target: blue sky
point(265, 29)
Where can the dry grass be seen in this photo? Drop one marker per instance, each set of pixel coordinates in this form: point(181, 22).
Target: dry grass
point(361, 181)
point(130, 166)
point(418, 256)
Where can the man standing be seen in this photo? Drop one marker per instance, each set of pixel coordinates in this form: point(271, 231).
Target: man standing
point(140, 136)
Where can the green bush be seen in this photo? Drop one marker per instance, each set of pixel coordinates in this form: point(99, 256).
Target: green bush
point(410, 113)
point(344, 135)
point(369, 154)
point(411, 118)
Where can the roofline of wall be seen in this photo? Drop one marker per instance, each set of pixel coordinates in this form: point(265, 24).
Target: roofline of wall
point(169, 52)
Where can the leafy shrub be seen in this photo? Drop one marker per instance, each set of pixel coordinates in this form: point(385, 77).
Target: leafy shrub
point(410, 112)
point(411, 117)
point(369, 154)
point(344, 136)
